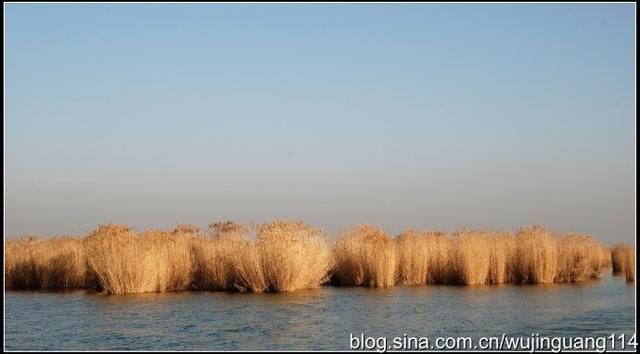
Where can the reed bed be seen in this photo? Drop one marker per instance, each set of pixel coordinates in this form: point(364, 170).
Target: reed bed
point(285, 256)
point(365, 256)
point(618, 255)
point(470, 257)
point(227, 262)
point(440, 263)
point(623, 261)
point(125, 262)
point(605, 257)
point(501, 257)
point(57, 263)
point(282, 256)
point(294, 256)
point(630, 265)
point(579, 258)
point(217, 259)
point(414, 256)
point(535, 258)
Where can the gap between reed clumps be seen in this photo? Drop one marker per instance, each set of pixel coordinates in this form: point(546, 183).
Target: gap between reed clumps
point(285, 256)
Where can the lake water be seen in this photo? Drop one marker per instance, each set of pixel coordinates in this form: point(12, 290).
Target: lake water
point(320, 319)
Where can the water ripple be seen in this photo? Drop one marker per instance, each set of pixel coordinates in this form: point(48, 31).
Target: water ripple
point(319, 319)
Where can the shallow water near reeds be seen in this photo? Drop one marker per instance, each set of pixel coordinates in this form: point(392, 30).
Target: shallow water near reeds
point(320, 319)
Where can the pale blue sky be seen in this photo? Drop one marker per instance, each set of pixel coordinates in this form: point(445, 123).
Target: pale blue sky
point(406, 115)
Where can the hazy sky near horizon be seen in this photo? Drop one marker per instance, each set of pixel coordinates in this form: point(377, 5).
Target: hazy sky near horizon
point(400, 115)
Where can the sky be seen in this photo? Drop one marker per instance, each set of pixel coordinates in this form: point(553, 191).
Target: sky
point(423, 116)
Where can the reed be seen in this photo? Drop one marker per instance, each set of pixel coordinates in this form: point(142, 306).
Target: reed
point(501, 249)
point(125, 262)
point(121, 263)
point(19, 264)
point(227, 261)
point(413, 258)
point(535, 258)
point(173, 257)
point(605, 257)
point(214, 262)
point(215, 257)
point(629, 264)
point(579, 258)
point(284, 256)
point(248, 268)
point(294, 255)
point(470, 256)
point(63, 263)
point(618, 255)
point(623, 261)
point(55, 263)
point(440, 263)
point(365, 256)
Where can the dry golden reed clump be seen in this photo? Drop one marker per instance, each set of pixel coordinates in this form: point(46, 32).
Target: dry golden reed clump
point(216, 260)
point(535, 259)
point(501, 252)
point(623, 261)
point(248, 268)
point(64, 263)
point(470, 257)
point(294, 255)
point(233, 259)
point(605, 257)
point(365, 256)
point(579, 258)
point(440, 263)
point(283, 256)
point(630, 264)
point(618, 255)
point(19, 263)
point(125, 262)
point(413, 258)
point(55, 263)
point(175, 260)
point(119, 261)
